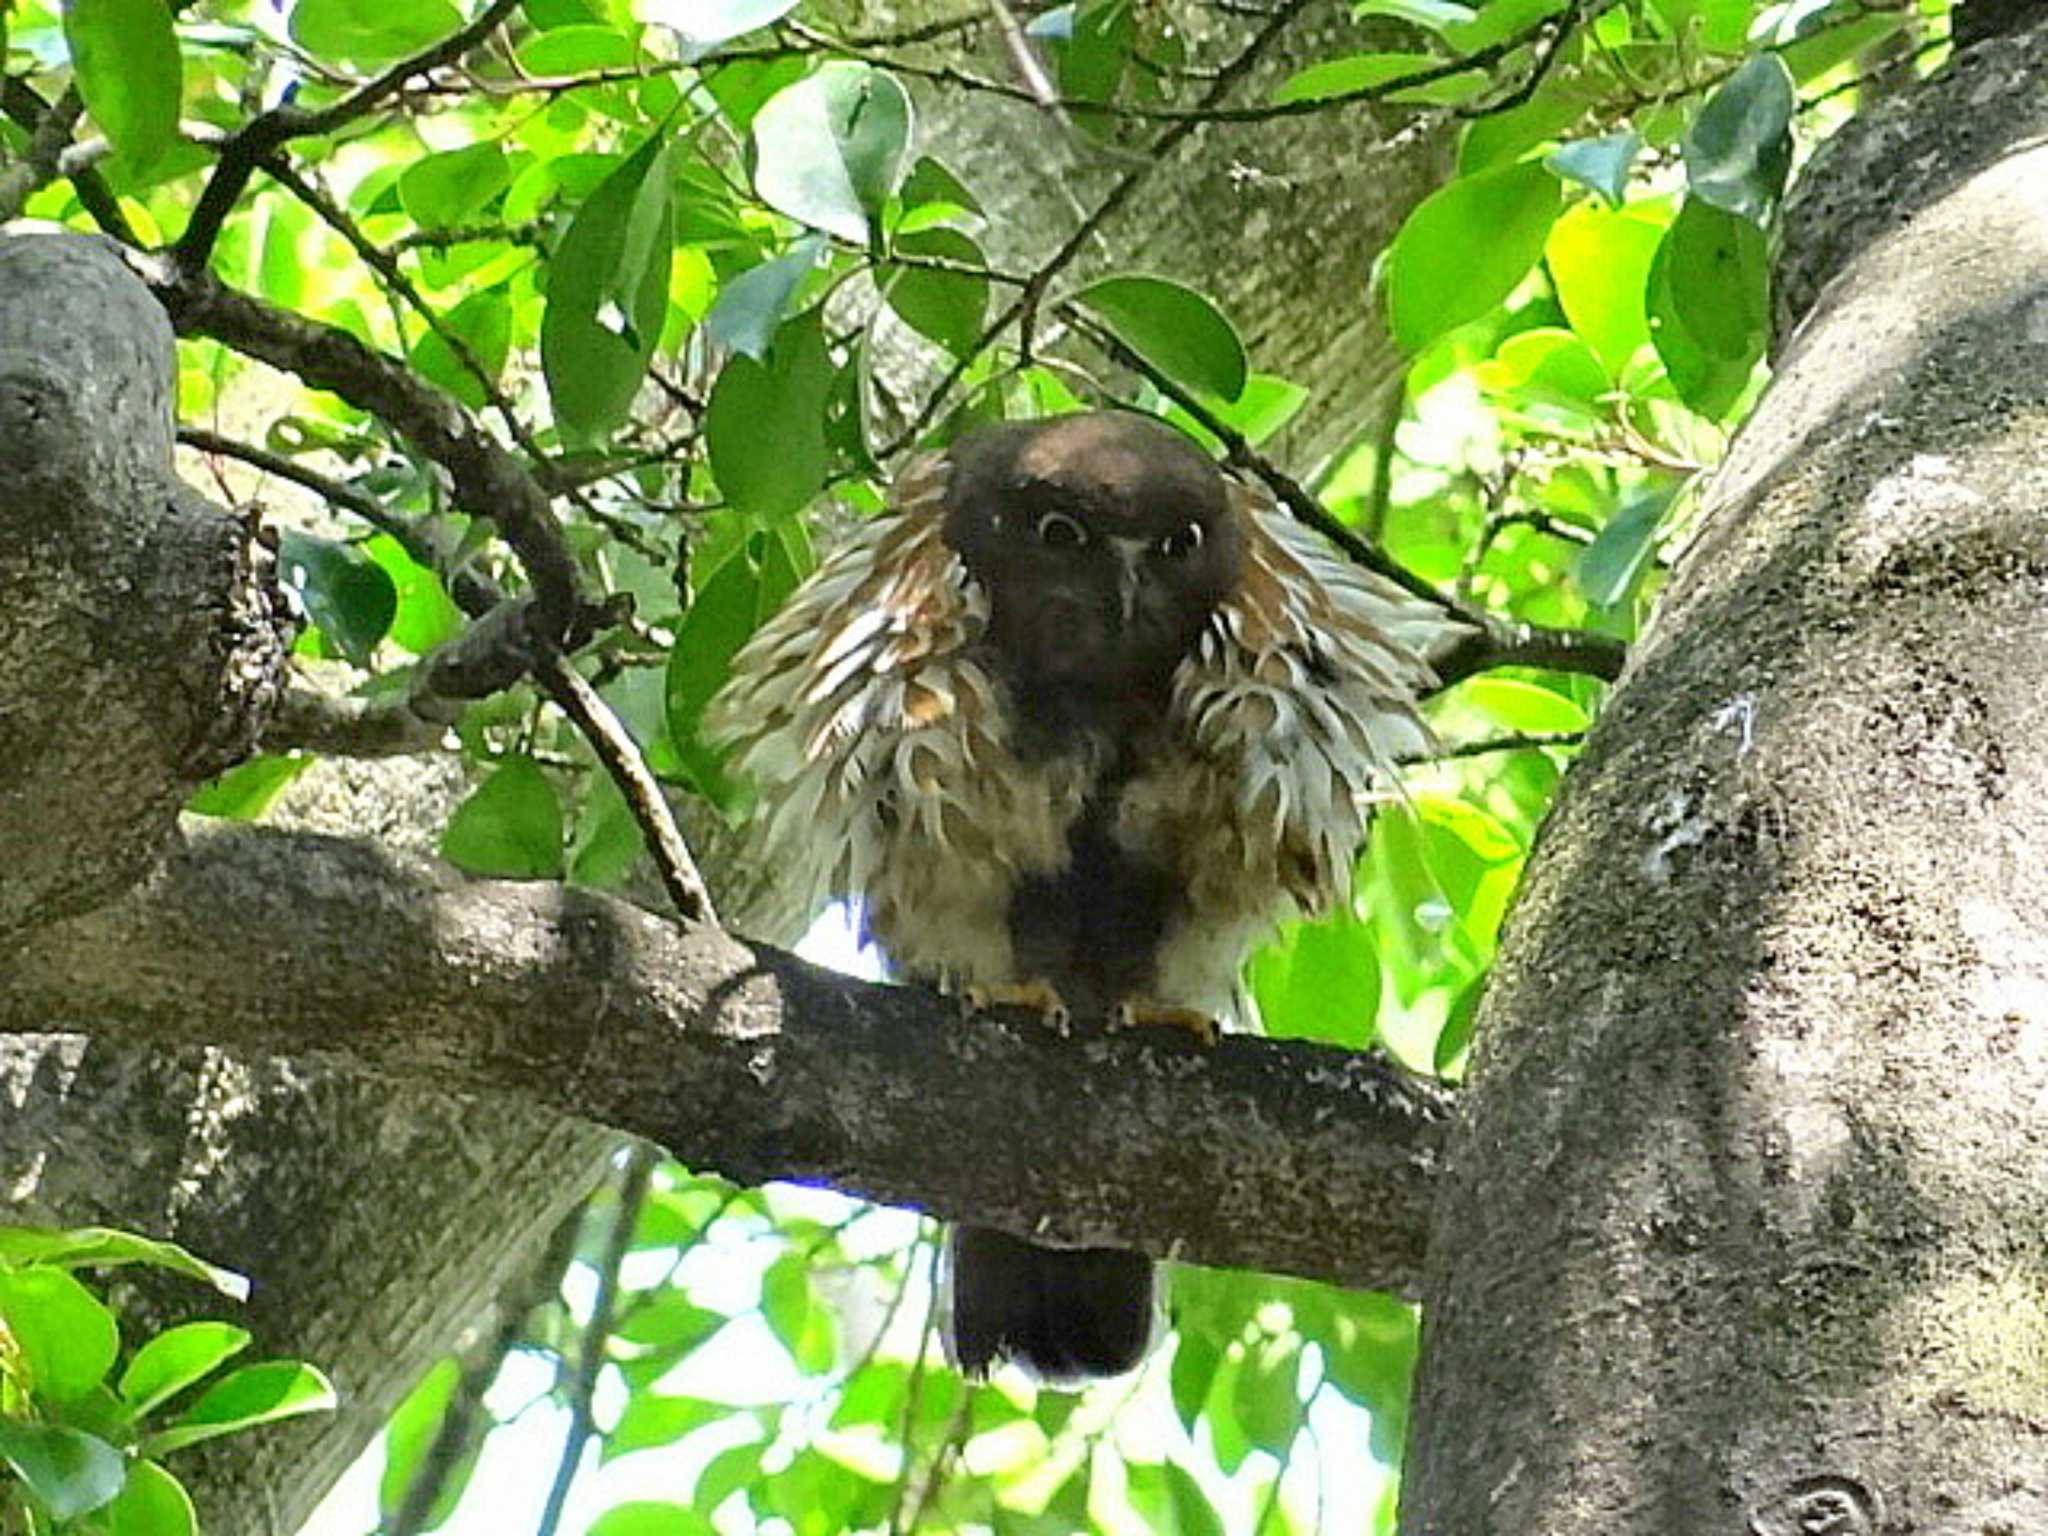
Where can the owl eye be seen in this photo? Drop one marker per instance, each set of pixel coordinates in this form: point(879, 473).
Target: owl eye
point(1056, 530)
point(1182, 542)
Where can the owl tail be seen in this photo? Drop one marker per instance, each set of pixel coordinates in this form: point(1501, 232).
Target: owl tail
point(1063, 1313)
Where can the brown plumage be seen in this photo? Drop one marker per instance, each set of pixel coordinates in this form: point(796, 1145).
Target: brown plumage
point(1079, 708)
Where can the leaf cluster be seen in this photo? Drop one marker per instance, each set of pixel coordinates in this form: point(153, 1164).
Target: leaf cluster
point(82, 1443)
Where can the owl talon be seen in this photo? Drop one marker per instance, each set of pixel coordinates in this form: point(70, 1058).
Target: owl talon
point(1134, 1013)
point(1038, 995)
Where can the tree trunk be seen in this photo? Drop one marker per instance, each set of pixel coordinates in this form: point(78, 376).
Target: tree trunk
point(1746, 1225)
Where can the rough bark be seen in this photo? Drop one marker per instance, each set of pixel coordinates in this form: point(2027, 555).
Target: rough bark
point(1280, 221)
point(139, 636)
point(738, 1058)
point(1744, 1223)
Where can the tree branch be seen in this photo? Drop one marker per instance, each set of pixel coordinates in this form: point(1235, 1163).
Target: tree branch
point(739, 1058)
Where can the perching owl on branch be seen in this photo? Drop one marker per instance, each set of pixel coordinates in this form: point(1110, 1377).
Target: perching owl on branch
point(1076, 722)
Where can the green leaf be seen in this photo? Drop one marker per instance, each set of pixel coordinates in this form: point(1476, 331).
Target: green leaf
point(704, 24)
point(1610, 566)
point(1600, 264)
point(1456, 1035)
point(66, 1337)
point(1546, 364)
point(1515, 705)
point(1265, 1396)
point(795, 1315)
point(730, 1470)
point(948, 307)
point(347, 594)
point(1739, 149)
point(654, 1418)
point(1434, 15)
point(248, 790)
point(1820, 51)
point(1464, 249)
point(670, 1323)
point(764, 428)
point(510, 827)
point(427, 617)
point(607, 840)
point(454, 186)
point(483, 323)
point(103, 1247)
point(1320, 982)
point(175, 1359)
point(1369, 1356)
point(874, 1394)
point(1602, 164)
point(1709, 305)
point(70, 1472)
point(750, 307)
point(829, 149)
point(152, 1503)
point(1193, 1512)
point(932, 194)
point(649, 1517)
point(608, 293)
point(125, 57)
point(1345, 76)
point(575, 50)
point(1172, 327)
point(256, 1394)
point(1195, 1359)
point(411, 1432)
point(370, 31)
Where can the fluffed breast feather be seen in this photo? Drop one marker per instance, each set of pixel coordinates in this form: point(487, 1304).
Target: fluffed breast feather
point(876, 737)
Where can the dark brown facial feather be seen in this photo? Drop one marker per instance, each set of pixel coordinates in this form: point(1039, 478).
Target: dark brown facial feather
point(1105, 543)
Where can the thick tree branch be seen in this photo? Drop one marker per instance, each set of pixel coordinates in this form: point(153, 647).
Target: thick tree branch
point(1276, 1155)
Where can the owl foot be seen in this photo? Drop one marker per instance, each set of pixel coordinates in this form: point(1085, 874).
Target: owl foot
point(1133, 1012)
point(1038, 995)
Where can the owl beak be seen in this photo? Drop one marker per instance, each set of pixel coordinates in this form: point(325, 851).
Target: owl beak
point(1130, 555)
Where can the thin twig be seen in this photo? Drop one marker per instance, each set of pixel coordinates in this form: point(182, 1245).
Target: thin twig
point(249, 145)
point(620, 754)
point(597, 1333)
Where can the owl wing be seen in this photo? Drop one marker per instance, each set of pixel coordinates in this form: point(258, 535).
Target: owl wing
point(877, 744)
point(1296, 705)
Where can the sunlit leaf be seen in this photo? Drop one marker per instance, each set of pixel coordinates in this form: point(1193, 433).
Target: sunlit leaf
point(1709, 305)
point(255, 1394)
point(452, 187)
point(151, 1503)
point(1464, 249)
point(345, 592)
point(830, 148)
point(1610, 566)
point(247, 790)
point(948, 307)
point(751, 307)
point(103, 1247)
point(704, 24)
point(1739, 149)
point(370, 31)
point(125, 57)
point(764, 428)
point(1602, 164)
point(608, 293)
point(410, 1434)
point(175, 1359)
point(1600, 262)
point(1173, 327)
point(510, 826)
point(72, 1473)
point(65, 1335)
point(648, 1517)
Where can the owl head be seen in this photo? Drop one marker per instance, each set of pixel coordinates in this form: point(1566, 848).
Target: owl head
point(1104, 542)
